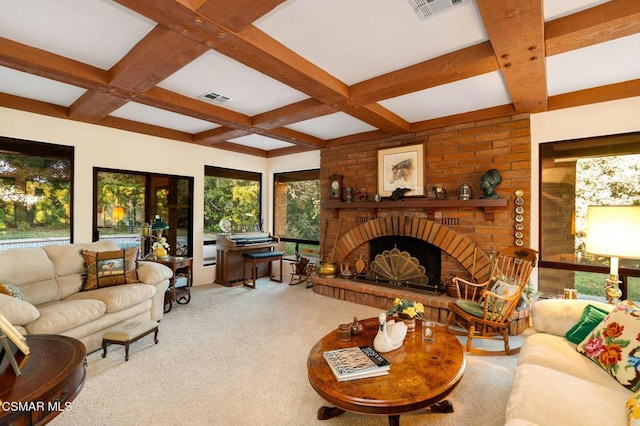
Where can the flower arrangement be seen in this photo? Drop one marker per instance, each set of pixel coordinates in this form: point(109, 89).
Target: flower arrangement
point(406, 309)
point(160, 243)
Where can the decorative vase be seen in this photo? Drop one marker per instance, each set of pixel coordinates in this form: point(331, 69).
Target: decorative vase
point(160, 252)
point(410, 322)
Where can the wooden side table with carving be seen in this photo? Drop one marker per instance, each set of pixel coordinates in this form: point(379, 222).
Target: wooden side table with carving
point(52, 376)
point(181, 267)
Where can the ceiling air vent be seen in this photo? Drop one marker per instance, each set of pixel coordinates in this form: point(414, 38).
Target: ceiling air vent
point(427, 8)
point(215, 98)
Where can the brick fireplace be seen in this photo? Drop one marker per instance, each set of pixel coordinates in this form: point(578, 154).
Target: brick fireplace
point(454, 154)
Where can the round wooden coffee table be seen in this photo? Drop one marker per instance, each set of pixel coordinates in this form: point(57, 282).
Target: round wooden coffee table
point(52, 376)
point(421, 375)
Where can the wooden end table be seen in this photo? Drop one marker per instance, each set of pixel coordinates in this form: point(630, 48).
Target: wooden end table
point(181, 266)
point(421, 375)
point(52, 376)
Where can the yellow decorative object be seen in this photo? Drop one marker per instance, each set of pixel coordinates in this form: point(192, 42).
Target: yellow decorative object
point(160, 252)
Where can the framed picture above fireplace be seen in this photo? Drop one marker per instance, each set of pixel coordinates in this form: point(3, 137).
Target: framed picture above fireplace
point(401, 167)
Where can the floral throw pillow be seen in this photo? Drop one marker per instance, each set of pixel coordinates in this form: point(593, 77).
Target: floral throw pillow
point(614, 345)
point(633, 409)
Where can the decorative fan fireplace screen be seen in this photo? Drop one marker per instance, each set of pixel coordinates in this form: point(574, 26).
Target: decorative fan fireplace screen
point(398, 268)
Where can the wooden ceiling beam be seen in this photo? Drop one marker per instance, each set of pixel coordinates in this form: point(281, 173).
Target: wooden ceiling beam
point(516, 31)
point(293, 113)
point(30, 105)
point(157, 56)
point(49, 65)
point(599, 24)
point(454, 66)
point(94, 105)
point(220, 134)
point(609, 92)
point(236, 14)
point(296, 138)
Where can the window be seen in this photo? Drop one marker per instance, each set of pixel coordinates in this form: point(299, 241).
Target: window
point(230, 195)
point(35, 193)
point(297, 210)
point(126, 200)
point(574, 175)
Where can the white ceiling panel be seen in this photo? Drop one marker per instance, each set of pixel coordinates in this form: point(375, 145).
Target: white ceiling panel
point(158, 117)
point(108, 30)
point(251, 92)
point(597, 65)
point(30, 86)
point(260, 142)
point(332, 126)
point(358, 39)
point(554, 9)
point(484, 91)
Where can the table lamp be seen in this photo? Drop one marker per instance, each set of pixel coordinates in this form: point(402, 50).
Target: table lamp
point(613, 231)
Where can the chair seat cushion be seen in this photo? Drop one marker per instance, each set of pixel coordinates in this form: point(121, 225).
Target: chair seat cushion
point(263, 254)
point(472, 308)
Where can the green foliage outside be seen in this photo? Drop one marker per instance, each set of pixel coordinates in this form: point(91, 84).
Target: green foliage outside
point(35, 196)
point(236, 200)
point(303, 210)
point(604, 181)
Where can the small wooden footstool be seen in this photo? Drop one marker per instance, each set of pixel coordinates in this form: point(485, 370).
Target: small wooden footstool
point(128, 333)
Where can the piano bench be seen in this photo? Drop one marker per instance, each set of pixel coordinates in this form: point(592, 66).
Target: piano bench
point(260, 257)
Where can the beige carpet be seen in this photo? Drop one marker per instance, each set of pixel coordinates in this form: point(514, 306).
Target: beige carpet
point(236, 356)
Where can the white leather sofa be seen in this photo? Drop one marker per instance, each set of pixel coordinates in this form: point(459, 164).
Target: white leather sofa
point(50, 278)
point(556, 385)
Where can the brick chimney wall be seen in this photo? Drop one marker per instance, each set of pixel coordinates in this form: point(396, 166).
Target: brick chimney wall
point(453, 155)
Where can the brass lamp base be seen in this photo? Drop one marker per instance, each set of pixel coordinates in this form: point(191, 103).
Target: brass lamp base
point(612, 291)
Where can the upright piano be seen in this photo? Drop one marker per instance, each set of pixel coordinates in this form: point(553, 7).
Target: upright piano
point(231, 247)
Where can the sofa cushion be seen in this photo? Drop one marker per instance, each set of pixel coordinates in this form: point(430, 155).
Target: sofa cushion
point(11, 290)
point(67, 259)
point(109, 268)
point(590, 318)
point(17, 311)
point(614, 344)
point(557, 316)
point(119, 297)
point(59, 316)
point(557, 353)
point(37, 281)
point(544, 396)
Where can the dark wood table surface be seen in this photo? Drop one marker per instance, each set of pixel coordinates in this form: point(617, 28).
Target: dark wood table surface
point(422, 375)
point(52, 376)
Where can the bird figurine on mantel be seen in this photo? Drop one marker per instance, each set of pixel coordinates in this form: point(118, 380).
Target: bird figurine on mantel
point(390, 335)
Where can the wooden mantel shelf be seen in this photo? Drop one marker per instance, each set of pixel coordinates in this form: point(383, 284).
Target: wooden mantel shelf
point(428, 205)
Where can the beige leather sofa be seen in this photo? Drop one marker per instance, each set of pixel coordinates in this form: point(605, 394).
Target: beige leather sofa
point(50, 280)
point(556, 385)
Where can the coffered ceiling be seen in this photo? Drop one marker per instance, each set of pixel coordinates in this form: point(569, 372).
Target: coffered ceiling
point(307, 74)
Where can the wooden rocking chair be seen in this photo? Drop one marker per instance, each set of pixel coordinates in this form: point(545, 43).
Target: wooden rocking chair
point(302, 269)
point(486, 313)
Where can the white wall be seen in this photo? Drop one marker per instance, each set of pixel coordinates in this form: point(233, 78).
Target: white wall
point(606, 118)
point(97, 146)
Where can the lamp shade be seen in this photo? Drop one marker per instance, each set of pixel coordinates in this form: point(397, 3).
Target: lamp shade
point(159, 225)
point(613, 231)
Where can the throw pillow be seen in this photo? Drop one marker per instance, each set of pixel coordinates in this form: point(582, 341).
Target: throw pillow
point(590, 318)
point(614, 345)
point(633, 409)
point(502, 289)
point(12, 290)
point(109, 268)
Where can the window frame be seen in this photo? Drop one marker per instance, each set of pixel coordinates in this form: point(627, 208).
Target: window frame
point(617, 145)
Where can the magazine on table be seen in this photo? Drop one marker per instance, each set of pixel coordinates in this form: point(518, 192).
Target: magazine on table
point(357, 362)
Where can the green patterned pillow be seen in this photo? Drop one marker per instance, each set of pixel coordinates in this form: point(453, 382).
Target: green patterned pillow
point(590, 318)
point(12, 290)
point(614, 345)
point(633, 409)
